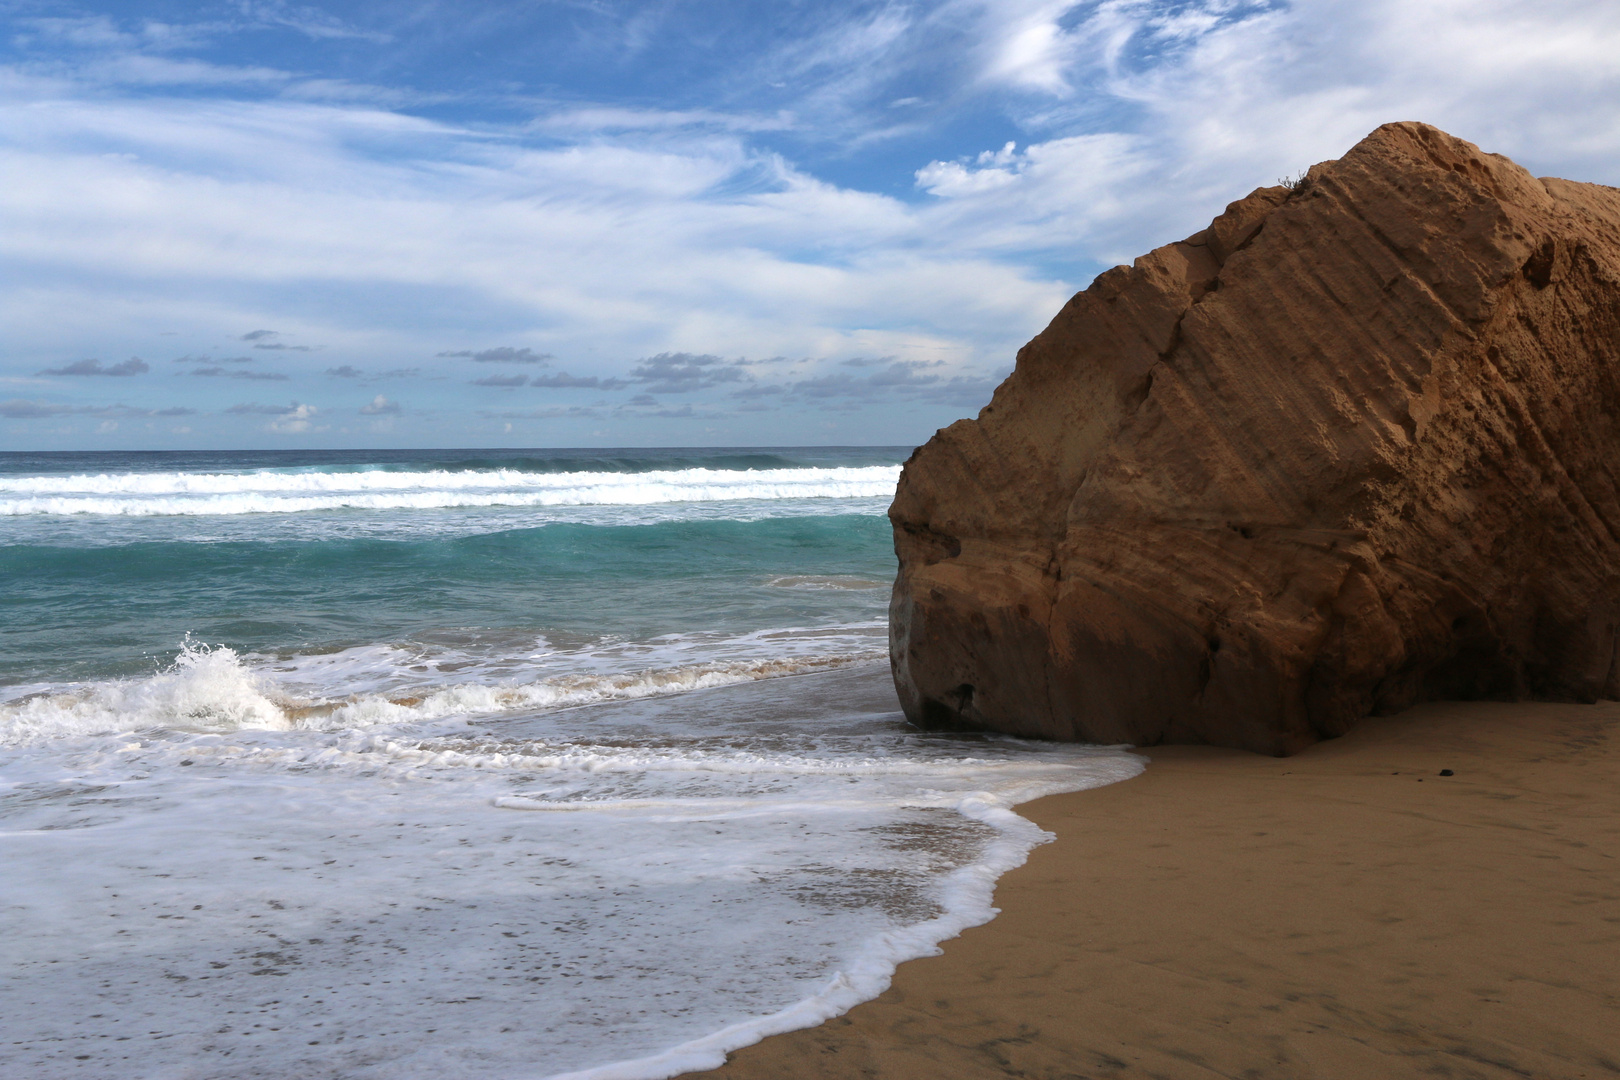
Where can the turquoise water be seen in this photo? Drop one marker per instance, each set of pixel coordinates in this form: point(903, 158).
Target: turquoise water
point(100, 611)
point(484, 765)
point(100, 595)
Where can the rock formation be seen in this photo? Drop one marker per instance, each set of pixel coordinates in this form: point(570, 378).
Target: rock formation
point(1351, 447)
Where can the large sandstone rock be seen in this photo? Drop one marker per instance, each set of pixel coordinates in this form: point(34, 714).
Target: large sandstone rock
point(1351, 447)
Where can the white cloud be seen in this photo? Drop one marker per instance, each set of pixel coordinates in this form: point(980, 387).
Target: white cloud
point(380, 406)
point(617, 249)
point(990, 171)
point(138, 69)
point(295, 421)
point(598, 120)
point(850, 45)
point(97, 31)
point(1220, 98)
point(287, 419)
point(1028, 48)
point(604, 233)
point(307, 20)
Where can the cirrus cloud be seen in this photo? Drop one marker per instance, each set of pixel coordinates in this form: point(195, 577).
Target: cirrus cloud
point(923, 183)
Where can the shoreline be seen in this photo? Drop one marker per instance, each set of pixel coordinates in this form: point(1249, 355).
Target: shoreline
point(965, 893)
point(1346, 912)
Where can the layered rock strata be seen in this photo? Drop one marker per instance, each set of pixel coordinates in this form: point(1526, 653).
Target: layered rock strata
point(1351, 447)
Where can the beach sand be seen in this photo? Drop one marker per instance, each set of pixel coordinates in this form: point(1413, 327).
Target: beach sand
point(1347, 912)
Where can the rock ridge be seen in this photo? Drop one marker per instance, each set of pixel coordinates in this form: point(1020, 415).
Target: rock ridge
point(1351, 447)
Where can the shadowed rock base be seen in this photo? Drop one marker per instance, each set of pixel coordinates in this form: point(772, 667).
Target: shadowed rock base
point(1346, 914)
point(1350, 448)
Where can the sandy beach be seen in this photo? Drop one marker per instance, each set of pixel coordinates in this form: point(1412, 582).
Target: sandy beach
point(1346, 912)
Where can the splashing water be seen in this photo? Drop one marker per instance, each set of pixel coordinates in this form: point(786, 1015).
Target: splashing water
point(523, 789)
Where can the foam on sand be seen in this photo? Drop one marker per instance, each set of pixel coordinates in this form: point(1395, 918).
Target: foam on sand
point(645, 881)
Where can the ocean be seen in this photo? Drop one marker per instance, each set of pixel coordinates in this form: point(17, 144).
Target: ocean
point(467, 764)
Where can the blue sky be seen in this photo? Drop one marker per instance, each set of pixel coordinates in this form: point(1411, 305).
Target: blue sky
point(264, 224)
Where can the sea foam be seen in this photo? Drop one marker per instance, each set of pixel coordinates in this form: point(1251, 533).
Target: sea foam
point(213, 689)
point(477, 792)
point(204, 689)
point(273, 491)
point(623, 891)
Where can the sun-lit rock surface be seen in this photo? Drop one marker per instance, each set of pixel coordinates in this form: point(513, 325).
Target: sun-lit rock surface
point(1351, 447)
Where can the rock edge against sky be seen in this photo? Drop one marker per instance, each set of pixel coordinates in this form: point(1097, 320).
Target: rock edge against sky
point(1349, 448)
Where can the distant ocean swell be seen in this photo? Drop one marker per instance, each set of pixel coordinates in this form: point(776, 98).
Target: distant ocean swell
point(266, 491)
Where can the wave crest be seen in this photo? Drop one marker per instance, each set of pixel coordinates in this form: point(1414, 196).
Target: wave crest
point(205, 689)
point(270, 491)
point(211, 689)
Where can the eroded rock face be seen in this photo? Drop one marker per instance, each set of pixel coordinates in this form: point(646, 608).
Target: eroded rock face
point(1351, 447)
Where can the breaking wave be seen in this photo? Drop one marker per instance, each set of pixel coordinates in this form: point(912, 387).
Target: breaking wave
point(212, 689)
point(274, 491)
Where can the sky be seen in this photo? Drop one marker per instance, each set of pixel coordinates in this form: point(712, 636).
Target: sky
point(588, 223)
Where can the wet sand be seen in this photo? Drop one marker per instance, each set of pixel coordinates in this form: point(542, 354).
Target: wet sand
point(1344, 913)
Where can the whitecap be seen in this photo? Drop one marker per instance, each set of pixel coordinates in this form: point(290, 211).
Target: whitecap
point(271, 491)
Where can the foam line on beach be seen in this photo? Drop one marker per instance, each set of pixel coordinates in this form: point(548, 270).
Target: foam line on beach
point(833, 839)
point(966, 897)
point(375, 754)
point(718, 809)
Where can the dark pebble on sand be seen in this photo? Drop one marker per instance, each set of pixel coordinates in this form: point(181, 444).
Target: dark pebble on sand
point(1447, 772)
